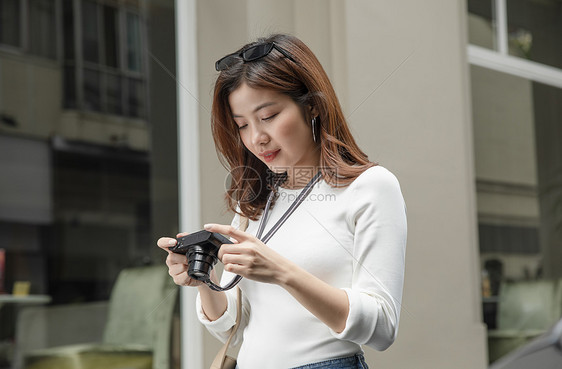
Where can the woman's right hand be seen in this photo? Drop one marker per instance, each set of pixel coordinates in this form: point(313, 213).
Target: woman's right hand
point(177, 263)
point(213, 303)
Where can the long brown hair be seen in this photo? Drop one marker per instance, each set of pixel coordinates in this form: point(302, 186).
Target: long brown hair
point(302, 79)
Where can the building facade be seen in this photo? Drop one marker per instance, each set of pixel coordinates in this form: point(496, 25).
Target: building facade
point(106, 144)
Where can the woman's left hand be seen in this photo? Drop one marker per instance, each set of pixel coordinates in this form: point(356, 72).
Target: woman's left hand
point(249, 257)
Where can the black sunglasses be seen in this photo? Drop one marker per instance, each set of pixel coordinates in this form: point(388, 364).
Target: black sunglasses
point(250, 54)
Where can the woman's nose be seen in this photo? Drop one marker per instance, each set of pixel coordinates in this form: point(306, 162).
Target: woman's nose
point(259, 136)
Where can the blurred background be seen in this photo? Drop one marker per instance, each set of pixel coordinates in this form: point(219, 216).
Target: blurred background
point(462, 100)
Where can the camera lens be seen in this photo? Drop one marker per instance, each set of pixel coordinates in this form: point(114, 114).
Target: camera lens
point(200, 262)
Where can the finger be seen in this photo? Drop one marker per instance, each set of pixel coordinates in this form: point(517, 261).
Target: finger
point(237, 259)
point(235, 268)
point(228, 230)
point(182, 280)
point(174, 258)
point(165, 242)
point(176, 269)
point(183, 234)
point(229, 249)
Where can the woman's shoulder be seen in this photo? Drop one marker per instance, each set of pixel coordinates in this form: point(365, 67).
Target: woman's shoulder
point(375, 177)
point(375, 188)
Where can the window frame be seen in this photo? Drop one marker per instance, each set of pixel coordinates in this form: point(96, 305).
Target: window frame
point(500, 60)
point(78, 64)
point(121, 71)
point(24, 33)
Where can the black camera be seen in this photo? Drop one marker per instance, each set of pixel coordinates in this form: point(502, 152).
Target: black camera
point(201, 249)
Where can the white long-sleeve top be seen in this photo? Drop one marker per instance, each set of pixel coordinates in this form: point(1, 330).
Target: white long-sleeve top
point(353, 238)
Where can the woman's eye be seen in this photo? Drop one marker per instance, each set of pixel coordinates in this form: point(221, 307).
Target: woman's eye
point(269, 117)
point(242, 127)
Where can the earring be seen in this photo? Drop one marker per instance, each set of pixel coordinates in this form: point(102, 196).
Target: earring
point(313, 123)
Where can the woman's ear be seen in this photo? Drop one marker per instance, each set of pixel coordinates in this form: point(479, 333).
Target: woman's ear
point(313, 111)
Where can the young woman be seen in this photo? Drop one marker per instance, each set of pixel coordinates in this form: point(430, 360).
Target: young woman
point(329, 279)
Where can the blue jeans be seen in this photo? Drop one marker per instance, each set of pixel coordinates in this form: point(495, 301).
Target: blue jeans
point(356, 361)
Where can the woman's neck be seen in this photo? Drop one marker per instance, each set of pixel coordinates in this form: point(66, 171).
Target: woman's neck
point(298, 177)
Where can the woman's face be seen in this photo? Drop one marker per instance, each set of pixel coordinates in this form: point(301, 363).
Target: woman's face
point(273, 127)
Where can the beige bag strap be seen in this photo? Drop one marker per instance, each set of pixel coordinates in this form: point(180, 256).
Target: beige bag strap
point(244, 223)
point(218, 363)
point(221, 357)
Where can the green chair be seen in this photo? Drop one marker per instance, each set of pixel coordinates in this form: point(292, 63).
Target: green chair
point(526, 310)
point(138, 331)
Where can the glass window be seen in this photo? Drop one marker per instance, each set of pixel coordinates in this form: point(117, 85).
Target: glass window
point(518, 164)
point(114, 94)
point(110, 51)
point(508, 239)
point(92, 89)
point(111, 36)
point(68, 29)
point(69, 86)
point(481, 23)
point(98, 196)
point(90, 193)
point(535, 30)
point(133, 43)
point(90, 31)
point(136, 100)
point(10, 12)
point(42, 28)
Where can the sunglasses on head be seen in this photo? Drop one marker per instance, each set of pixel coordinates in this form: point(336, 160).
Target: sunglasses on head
point(250, 54)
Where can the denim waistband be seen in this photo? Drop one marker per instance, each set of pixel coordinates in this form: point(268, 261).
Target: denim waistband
point(356, 361)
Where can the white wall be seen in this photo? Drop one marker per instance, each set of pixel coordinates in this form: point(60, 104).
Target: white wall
point(400, 70)
point(417, 123)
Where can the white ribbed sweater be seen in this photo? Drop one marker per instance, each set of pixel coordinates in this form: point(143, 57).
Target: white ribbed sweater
point(353, 238)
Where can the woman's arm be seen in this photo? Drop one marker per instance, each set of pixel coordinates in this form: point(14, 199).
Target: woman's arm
point(327, 303)
point(252, 259)
point(213, 303)
point(377, 216)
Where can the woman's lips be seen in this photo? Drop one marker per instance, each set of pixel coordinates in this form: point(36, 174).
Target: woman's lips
point(268, 157)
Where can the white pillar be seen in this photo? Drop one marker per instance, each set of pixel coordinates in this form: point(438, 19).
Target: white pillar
point(188, 161)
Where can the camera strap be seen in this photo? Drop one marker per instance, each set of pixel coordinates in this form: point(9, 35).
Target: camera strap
point(302, 195)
